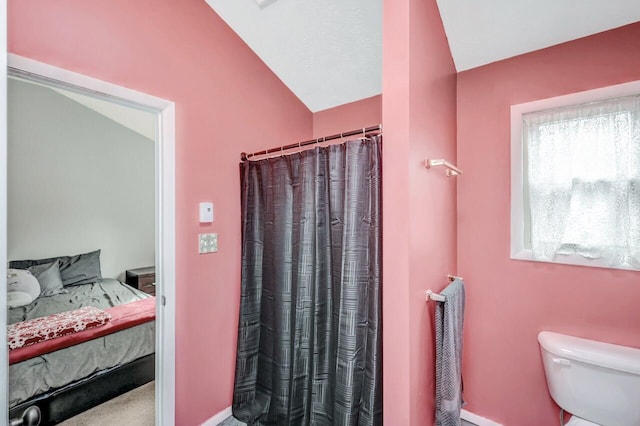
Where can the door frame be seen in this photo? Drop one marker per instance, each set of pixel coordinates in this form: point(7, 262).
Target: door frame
point(164, 215)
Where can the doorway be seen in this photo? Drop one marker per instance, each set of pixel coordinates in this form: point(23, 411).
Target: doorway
point(164, 161)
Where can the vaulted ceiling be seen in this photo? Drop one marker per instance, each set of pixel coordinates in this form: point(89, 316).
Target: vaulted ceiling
point(330, 52)
point(141, 122)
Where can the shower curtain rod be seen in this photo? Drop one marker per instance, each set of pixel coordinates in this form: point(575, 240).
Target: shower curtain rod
point(244, 156)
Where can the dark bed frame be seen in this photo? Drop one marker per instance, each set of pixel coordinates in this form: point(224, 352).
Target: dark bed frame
point(65, 402)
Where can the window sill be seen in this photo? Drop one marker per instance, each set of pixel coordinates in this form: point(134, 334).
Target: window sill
point(573, 259)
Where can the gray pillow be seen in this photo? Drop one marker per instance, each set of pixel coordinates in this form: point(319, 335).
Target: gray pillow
point(48, 275)
point(74, 270)
point(81, 269)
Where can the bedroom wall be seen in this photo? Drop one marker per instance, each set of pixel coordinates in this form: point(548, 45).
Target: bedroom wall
point(227, 101)
point(510, 301)
point(78, 182)
point(419, 235)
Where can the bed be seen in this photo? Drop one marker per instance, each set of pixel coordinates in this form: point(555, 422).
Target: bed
point(71, 379)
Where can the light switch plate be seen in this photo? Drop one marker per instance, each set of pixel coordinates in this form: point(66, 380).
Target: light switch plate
point(206, 212)
point(208, 243)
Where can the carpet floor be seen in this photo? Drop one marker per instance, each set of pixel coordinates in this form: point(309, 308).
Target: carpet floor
point(136, 407)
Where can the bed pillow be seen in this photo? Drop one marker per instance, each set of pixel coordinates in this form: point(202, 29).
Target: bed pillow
point(81, 269)
point(48, 276)
point(74, 270)
point(15, 299)
point(22, 287)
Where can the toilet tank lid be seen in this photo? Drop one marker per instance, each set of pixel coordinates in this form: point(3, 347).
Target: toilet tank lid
point(608, 355)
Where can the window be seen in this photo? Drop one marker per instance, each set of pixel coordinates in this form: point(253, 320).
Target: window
point(576, 179)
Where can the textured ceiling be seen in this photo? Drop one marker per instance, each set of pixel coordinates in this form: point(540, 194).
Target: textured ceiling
point(330, 52)
point(481, 32)
point(327, 52)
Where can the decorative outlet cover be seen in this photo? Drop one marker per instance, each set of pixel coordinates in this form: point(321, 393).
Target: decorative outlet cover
point(208, 243)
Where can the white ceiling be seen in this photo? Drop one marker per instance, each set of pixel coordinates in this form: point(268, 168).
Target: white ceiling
point(481, 32)
point(327, 52)
point(330, 52)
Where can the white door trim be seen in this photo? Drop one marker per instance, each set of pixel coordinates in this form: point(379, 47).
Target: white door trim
point(4, 353)
point(165, 218)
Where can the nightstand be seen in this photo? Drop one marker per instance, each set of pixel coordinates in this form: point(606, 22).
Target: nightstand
point(143, 279)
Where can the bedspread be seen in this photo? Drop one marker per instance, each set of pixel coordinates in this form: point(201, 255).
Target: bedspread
point(45, 373)
point(122, 316)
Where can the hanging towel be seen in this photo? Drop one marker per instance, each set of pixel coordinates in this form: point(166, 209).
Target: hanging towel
point(449, 322)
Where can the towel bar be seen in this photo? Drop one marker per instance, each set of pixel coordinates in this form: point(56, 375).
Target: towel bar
point(451, 169)
point(434, 296)
point(438, 297)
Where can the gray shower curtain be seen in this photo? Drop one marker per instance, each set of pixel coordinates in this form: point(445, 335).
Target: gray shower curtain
point(310, 327)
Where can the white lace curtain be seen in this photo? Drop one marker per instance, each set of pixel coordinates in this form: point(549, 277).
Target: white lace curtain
point(584, 181)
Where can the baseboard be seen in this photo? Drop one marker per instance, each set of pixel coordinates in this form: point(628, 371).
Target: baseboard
point(476, 419)
point(218, 418)
point(464, 414)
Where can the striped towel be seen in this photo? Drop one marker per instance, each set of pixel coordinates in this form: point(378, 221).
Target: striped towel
point(449, 321)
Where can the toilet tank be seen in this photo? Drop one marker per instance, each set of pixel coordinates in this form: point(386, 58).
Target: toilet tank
point(596, 381)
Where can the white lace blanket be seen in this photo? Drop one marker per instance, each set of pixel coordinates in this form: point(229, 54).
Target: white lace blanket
point(37, 330)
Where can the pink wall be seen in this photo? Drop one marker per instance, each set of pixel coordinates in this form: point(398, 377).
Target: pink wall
point(227, 101)
point(187, 54)
point(364, 113)
point(419, 236)
point(510, 301)
point(396, 198)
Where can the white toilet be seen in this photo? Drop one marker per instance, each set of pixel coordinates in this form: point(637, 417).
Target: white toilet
point(599, 383)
